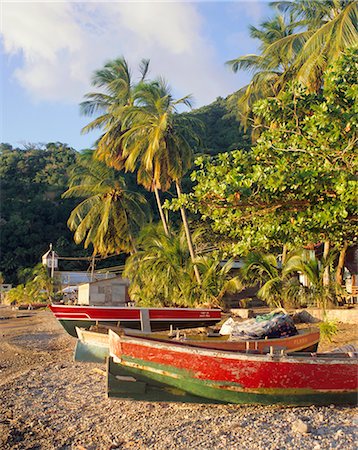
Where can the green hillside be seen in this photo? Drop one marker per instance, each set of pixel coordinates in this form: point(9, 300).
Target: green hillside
point(221, 130)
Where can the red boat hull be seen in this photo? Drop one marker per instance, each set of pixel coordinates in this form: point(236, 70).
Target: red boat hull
point(72, 316)
point(240, 377)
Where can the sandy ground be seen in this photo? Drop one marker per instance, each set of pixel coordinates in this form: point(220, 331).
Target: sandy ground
point(47, 401)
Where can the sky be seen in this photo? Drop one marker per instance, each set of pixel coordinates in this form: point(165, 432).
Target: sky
point(50, 49)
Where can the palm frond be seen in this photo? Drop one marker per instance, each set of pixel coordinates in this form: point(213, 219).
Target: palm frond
point(323, 46)
point(249, 62)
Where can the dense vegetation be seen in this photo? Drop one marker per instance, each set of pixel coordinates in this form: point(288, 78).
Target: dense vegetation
point(298, 184)
point(33, 214)
point(34, 177)
point(221, 131)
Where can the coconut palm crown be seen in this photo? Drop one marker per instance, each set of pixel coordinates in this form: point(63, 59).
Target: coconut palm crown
point(300, 43)
point(110, 215)
point(116, 81)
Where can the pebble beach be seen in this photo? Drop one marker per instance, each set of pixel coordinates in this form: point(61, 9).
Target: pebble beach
point(48, 401)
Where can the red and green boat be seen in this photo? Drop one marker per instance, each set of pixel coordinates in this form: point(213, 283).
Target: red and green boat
point(93, 344)
point(72, 316)
point(141, 365)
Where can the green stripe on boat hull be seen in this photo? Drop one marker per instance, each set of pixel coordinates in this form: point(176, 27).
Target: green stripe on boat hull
point(70, 325)
point(144, 388)
point(85, 352)
point(221, 392)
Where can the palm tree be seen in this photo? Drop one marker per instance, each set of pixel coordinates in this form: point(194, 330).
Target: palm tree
point(110, 216)
point(315, 35)
point(268, 67)
point(156, 143)
point(116, 81)
point(318, 292)
point(263, 269)
point(160, 272)
point(331, 27)
point(280, 285)
point(217, 280)
point(42, 283)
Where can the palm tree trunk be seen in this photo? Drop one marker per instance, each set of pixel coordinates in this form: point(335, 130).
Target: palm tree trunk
point(326, 270)
point(165, 226)
point(93, 264)
point(188, 236)
point(342, 256)
point(134, 248)
point(284, 253)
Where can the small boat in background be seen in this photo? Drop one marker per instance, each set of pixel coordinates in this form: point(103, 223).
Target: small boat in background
point(144, 369)
point(147, 319)
point(306, 340)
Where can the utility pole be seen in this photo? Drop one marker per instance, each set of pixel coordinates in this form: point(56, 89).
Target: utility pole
point(52, 261)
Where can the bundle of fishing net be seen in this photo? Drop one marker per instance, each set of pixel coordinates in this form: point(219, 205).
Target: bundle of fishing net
point(273, 325)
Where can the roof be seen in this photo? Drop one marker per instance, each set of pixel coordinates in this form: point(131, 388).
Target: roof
point(76, 278)
point(118, 278)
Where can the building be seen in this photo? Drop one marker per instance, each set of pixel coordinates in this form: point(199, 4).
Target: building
point(106, 292)
point(3, 289)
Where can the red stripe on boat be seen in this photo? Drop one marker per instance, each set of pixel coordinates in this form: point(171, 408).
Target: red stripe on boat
point(129, 313)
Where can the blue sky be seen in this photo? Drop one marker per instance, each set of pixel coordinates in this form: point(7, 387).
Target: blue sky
point(50, 49)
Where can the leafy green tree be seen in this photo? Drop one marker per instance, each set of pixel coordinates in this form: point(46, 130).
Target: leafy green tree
point(110, 216)
point(298, 185)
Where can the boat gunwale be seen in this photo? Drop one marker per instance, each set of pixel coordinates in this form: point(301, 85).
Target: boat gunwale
point(135, 307)
point(303, 332)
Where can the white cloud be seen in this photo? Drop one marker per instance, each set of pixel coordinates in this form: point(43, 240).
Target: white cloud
point(63, 42)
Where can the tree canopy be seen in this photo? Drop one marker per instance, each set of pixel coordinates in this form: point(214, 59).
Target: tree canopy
point(32, 211)
point(299, 43)
point(298, 185)
point(109, 215)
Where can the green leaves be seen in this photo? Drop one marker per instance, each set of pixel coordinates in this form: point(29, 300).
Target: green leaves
point(298, 45)
point(110, 216)
point(162, 273)
point(298, 185)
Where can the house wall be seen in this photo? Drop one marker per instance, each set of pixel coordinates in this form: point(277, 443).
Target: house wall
point(111, 292)
point(83, 294)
